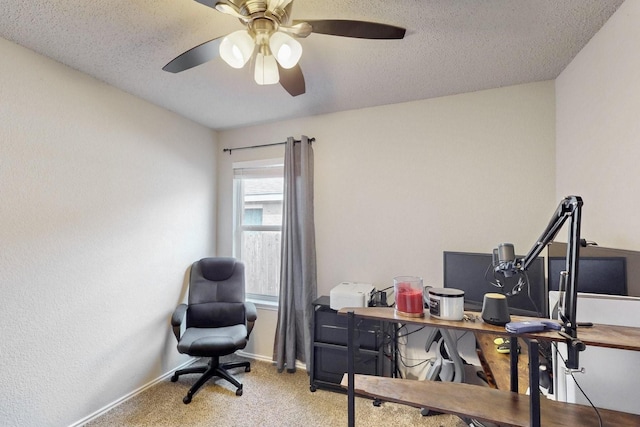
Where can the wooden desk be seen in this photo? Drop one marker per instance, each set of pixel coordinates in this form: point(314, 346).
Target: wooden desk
point(498, 406)
point(498, 364)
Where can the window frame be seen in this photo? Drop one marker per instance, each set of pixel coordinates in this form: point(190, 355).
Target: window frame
point(258, 169)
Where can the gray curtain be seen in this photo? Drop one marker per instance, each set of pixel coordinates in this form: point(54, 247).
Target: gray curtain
point(298, 283)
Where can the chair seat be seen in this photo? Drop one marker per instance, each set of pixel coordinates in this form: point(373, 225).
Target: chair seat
point(208, 342)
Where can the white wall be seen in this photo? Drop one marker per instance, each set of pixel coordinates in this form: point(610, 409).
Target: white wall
point(397, 185)
point(598, 131)
point(597, 153)
point(105, 202)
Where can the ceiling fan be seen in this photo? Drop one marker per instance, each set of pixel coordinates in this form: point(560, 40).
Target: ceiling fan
point(269, 37)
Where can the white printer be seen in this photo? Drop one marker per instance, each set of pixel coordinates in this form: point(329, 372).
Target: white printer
point(350, 294)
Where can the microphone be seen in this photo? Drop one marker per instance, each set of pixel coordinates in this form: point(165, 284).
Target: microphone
point(506, 258)
point(506, 252)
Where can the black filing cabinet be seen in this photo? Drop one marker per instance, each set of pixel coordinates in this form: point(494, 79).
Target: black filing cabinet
point(329, 347)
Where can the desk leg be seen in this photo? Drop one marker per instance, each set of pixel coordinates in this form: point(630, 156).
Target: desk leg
point(350, 370)
point(394, 351)
point(534, 384)
point(513, 353)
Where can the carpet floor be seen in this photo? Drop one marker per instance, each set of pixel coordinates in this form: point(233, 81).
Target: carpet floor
point(269, 399)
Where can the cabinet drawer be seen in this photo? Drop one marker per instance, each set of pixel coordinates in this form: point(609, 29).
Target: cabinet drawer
point(330, 364)
point(331, 328)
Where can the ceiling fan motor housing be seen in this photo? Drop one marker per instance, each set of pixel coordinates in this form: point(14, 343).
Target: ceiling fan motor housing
point(254, 9)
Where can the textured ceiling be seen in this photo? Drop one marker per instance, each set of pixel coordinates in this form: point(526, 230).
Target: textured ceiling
point(451, 46)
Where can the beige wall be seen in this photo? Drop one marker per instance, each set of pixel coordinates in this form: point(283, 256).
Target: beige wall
point(397, 185)
point(597, 105)
point(106, 200)
point(598, 131)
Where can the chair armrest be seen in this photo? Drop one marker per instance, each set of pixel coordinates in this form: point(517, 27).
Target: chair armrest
point(252, 314)
point(177, 318)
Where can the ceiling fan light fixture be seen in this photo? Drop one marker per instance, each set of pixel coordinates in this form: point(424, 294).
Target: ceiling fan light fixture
point(268, 32)
point(286, 49)
point(237, 48)
point(266, 70)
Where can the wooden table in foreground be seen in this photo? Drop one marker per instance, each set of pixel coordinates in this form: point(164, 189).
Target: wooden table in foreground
point(499, 406)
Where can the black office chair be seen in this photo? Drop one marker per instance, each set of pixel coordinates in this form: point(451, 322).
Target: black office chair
point(217, 320)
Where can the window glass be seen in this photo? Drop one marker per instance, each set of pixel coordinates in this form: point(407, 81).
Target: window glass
point(257, 226)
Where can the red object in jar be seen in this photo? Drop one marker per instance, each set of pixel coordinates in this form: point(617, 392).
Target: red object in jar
point(408, 299)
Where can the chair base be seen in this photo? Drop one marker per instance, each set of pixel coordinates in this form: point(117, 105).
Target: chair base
point(213, 369)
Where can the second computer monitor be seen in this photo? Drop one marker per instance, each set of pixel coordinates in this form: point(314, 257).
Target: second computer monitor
point(473, 272)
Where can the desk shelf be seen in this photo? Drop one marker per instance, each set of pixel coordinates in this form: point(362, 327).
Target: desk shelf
point(486, 404)
point(506, 408)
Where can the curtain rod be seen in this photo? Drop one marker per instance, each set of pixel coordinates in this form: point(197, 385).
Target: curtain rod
point(295, 141)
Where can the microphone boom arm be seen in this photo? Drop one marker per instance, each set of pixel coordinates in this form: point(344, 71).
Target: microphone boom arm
point(569, 208)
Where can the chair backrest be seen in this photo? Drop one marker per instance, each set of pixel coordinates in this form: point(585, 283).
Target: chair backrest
point(216, 293)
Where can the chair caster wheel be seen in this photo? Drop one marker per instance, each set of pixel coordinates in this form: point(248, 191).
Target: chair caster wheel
point(174, 378)
point(377, 402)
point(186, 400)
point(239, 392)
point(312, 388)
point(247, 369)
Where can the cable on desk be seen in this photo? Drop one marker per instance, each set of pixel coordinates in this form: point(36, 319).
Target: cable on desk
point(403, 359)
point(387, 341)
point(409, 333)
point(516, 289)
point(422, 362)
point(387, 346)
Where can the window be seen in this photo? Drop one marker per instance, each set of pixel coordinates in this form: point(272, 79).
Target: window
point(258, 224)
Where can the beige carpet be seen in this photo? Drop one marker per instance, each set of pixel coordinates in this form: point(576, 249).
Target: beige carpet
point(269, 399)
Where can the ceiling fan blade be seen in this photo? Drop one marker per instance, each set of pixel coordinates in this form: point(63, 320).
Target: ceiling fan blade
point(301, 29)
point(226, 7)
point(292, 80)
point(200, 54)
point(229, 9)
point(210, 3)
point(357, 29)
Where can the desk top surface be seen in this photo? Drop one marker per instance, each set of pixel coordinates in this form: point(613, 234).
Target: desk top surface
point(598, 335)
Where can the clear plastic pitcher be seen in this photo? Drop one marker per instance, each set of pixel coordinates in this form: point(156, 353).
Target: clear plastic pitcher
point(409, 296)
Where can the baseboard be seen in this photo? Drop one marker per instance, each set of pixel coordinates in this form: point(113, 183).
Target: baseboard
point(128, 396)
point(299, 365)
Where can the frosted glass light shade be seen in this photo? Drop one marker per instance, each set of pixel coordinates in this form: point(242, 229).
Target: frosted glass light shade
point(286, 49)
point(237, 48)
point(266, 71)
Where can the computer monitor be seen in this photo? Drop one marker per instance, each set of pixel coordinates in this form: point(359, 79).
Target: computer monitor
point(471, 273)
point(596, 275)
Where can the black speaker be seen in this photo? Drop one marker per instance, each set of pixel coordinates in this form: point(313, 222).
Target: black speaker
point(495, 309)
